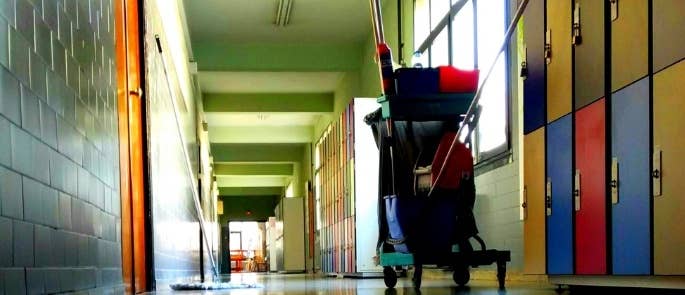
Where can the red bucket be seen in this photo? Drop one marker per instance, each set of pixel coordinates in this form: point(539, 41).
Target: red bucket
point(453, 80)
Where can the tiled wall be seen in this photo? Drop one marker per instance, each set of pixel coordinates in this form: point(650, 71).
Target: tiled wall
point(59, 179)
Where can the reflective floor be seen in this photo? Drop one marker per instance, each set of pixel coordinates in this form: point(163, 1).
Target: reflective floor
point(274, 284)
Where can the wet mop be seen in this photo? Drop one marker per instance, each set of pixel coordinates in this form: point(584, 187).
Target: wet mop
point(215, 283)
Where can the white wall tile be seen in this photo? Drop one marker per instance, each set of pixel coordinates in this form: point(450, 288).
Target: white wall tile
point(11, 194)
point(19, 56)
point(48, 125)
point(5, 143)
point(32, 192)
point(38, 76)
point(30, 112)
point(22, 147)
point(4, 43)
point(10, 96)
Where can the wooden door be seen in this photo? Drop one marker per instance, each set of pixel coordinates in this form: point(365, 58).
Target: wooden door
point(629, 45)
point(559, 67)
point(534, 109)
point(590, 189)
point(589, 66)
point(534, 202)
point(631, 216)
point(669, 204)
point(558, 189)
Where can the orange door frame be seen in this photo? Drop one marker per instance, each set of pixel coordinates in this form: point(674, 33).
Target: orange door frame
point(131, 147)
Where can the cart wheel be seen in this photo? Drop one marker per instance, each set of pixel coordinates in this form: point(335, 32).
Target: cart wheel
point(461, 275)
point(389, 277)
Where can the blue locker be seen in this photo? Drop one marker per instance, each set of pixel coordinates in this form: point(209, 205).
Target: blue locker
point(631, 237)
point(534, 108)
point(559, 183)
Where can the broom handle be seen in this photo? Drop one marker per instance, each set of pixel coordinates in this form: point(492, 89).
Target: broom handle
point(472, 108)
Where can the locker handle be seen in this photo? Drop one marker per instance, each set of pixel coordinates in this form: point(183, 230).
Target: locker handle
point(613, 184)
point(614, 9)
point(524, 205)
point(548, 197)
point(576, 191)
point(524, 65)
point(548, 46)
point(577, 38)
point(657, 173)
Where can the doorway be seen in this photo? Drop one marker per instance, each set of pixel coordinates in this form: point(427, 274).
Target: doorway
point(247, 246)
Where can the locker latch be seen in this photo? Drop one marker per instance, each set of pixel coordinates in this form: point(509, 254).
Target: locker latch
point(548, 46)
point(614, 9)
point(524, 65)
point(524, 205)
point(614, 180)
point(656, 172)
point(577, 38)
point(548, 197)
point(576, 191)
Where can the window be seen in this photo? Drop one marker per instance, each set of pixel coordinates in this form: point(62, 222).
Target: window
point(471, 39)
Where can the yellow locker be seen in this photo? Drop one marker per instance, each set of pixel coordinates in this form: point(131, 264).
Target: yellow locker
point(668, 171)
point(629, 45)
point(558, 59)
point(534, 202)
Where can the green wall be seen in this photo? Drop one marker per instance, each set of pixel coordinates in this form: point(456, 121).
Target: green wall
point(235, 207)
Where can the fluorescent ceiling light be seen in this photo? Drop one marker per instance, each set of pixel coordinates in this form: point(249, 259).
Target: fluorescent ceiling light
point(283, 10)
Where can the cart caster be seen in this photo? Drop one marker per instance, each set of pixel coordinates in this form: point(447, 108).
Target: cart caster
point(461, 275)
point(501, 273)
point(389, 277)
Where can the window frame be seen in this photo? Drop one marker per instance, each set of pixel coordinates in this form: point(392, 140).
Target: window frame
point(498, 154)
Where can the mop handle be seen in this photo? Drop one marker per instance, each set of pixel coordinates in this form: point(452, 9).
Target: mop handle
point(476, 98)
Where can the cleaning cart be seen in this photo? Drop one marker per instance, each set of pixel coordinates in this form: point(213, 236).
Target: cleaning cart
point(426, 183)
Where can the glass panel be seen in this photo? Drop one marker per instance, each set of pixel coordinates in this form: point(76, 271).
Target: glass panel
point(440, 50)
point(439, 8)
point(421, 21)
point(493, 122)
point(462, 37)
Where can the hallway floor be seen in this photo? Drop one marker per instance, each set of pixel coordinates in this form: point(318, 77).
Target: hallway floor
point(275, 284)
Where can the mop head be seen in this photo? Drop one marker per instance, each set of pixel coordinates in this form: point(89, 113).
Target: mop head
point(212, 286)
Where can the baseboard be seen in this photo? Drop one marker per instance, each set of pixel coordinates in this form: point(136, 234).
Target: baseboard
point(661, 282)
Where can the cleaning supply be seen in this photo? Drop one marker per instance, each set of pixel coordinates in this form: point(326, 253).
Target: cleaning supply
point(453, 80)
point(385, 62)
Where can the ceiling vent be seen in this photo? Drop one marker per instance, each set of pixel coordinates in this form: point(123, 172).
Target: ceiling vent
point(283, 10)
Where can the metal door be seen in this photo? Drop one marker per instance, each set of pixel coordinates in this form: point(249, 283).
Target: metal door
point(668, 20)
point(534, 202)
point(558, 59)
point(559, 201)
point(589, 46)
point(629, 44)
point(534, 67)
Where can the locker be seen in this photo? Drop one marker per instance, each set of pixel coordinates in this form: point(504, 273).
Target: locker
point(631, 237)
point(559, 201)
point(589, 66)
point(669, 185)
point(558, 59)
point(668, 20)
point(629, 46)
point(590, 189)
point(534, 83)
point(534, 202)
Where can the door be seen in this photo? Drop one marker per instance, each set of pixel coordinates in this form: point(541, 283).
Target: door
point(630, 180)
point(629, 44)
point(559, 201)
point(534, 202)
point(558, 59)
point(534, 83)
point(589, 46)
point(668, 20)
point(669, 200)
point(590, 189)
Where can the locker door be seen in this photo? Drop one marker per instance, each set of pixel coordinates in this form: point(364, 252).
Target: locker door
point(559, 188)
point(669, 127)
point(590, 202)
point(668, 19)
point(559, 68)
point(628, 42)
point(534, 83)
point(589, 51)
point(631, 242)
point(534, 191)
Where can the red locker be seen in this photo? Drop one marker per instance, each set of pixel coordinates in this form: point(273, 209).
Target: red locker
point(590, 189)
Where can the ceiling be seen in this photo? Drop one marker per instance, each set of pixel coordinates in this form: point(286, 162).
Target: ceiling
point(266, 87)
point(268, 82)
point(251, 21)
